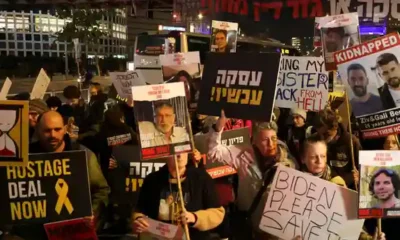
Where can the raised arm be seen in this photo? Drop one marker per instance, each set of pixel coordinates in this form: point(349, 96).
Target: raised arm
point(234, 156)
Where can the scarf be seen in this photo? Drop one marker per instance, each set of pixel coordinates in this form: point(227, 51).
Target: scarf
point(326, 174)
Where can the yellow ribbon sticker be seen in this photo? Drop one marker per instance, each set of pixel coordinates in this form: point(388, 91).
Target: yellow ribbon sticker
point(63, 200)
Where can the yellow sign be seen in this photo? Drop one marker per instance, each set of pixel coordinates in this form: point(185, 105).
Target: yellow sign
point(14, 134)
point(63, 200)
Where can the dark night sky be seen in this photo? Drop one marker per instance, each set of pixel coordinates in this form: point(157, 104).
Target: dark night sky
point(282, 29)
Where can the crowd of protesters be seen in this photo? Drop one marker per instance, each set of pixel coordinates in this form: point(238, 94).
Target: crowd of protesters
point(318, 144)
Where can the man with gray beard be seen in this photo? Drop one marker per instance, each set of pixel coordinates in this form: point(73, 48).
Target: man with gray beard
point(389, 70)
point(363, 101)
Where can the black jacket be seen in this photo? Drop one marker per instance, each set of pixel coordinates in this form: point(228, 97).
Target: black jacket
point(386, 97)
point(199, 194)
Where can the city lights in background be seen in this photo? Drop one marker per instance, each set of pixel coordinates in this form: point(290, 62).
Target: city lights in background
point(200, 16)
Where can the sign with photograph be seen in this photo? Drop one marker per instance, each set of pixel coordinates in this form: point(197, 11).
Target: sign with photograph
point(243, 84)
point(371, 74)
point(300, 204)
point(338, 32)
point(124, 81)
point(70, 229)
point(302, 83)
point(53, 187)
point(41, 85)
point(183, 67)
point(163, 120)
point(379, 184)
point(223, 36)
point(237, 137)
point(126, 180)
point(14, 129)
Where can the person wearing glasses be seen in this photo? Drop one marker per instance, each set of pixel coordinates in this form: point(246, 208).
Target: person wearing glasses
point(384, 186)
point(163, 131)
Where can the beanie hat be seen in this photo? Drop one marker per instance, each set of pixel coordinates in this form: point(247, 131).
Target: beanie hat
point(38, 105)
point(299, 112)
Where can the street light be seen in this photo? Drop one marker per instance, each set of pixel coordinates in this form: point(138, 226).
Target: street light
point(200, 16)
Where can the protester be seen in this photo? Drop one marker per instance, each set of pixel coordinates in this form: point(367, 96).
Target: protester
point(297, 132)
point(339, 145)
point(73, 96)
point(54, 103)
point(36, 107)
point(159, 200)
point(252, 165)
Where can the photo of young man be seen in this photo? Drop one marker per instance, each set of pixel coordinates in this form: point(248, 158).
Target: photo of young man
point(388, 69)
point(384, 187)
point(363, 102)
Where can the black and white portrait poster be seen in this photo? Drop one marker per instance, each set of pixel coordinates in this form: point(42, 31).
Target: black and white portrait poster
point(371, 75)
point(338, 32)
point(243, 84)
point(223, 36)
point(379, 184)
point(162, 118)
point(183, 67)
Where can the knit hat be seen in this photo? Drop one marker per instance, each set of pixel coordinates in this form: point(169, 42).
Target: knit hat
point(299, 112)
point(38, 105)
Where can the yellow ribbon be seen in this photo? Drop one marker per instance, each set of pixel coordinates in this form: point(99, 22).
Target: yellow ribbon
point(63, 200)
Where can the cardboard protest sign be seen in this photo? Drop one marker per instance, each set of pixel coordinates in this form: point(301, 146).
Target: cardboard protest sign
point(161, 231)
point(127, 179)
point(233, 137)
point(124, 81)
point(53, 187)
point(302, 83)
point(5, 89)
point(14, 129)
point(243, 84)
point(223, 36)
point(338, 32)
point(162, 118)
point(379, 184)
point(70, 229)
point(183, 67)
point(41, 84)
point(363, 68)
point(300, 204)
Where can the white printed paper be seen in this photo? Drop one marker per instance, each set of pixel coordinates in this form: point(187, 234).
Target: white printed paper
point(5, 89)
point(41, 84)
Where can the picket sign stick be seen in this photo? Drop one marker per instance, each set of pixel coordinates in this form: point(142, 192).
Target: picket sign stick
point(351, 138)
point(178, 178)
point(379, 226)
point(191, 139)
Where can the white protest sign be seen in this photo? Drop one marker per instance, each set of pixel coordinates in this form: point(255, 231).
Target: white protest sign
point(5, 89)
point(41, 84)
point(302, 83)
point(299, 204)
point(161, 231)
point(124, 81)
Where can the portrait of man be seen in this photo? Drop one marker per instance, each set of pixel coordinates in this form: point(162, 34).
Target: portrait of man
point(333, 39)
point(384, 187)
point(363, 101)
point(388, 69)
point(221, 41)
point(163, 130)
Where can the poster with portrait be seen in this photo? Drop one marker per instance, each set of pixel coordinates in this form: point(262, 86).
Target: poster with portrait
point(223, 36)
point(370, 73)
point(183, 67)
point(379, 184)
point(338, 32)
point(162, 119)
point(14, 133)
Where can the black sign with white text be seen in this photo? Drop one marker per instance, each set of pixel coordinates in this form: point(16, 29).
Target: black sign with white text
point(53, 187)
point(243, 84)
